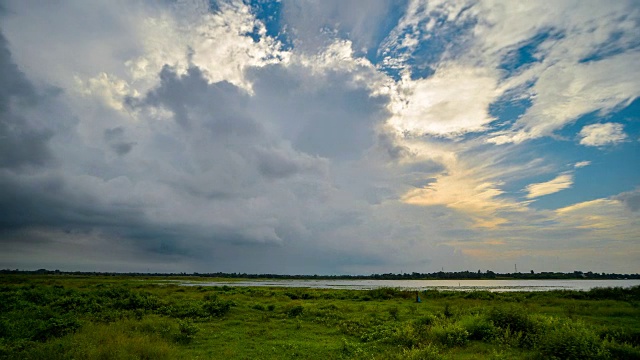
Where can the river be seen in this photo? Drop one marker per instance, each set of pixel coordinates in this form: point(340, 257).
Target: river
point(456, 285)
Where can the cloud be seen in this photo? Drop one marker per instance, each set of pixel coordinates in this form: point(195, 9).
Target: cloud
point(343, 131)
point(560, 97)
point(567, 63)
point(22, 143)
point(581, 164)
point(605, 217)
point(452, 102)
point(314, 24)
point(198, 156)
point(630, 199)
point(602, 134)
point(184, 137)
point(471, 186)
point(116, 139)
point(561, 182)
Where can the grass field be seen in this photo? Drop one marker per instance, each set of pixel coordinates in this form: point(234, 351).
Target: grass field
point(72, 317)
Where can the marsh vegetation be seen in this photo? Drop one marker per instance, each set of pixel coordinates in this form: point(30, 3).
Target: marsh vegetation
point(89, 317)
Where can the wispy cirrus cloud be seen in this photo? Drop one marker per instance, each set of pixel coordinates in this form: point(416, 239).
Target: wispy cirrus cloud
point(561, 182)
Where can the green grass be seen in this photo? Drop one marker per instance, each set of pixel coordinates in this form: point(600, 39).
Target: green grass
point(69, 317)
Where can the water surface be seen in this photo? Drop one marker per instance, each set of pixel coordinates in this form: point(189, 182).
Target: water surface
point(457, 285)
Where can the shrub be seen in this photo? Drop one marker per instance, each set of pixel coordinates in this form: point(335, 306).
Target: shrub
point(447, 311)
point(186, 331)
point(352, 327)
point(424, 321)
point(480, 295)
point(514, 318)
point(271, 307)
point(622, 351)
point(519, 328)
point(259, 307)
point(394, 312)
point(56, 327)
point(387, 293)
point(451, 335)
point(429, 352)
point(187, 310)
point(405, 335)
point(571, 340)
point(216, 307)
point(479, 328)
point(298, 294)
point(295, 311)
point(621, 335)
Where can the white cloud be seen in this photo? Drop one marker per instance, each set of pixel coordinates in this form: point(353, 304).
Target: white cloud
point(602, 134)
point(560, 85)
point(452, 102)
point(561, 182)
point(565, 91)
point(581, 164)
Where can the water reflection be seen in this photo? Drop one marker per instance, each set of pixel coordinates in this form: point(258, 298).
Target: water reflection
point(456, 285)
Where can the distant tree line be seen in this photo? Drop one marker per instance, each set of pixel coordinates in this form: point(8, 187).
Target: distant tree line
point(440, 275)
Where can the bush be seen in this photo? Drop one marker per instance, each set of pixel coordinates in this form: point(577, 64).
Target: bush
point(56, 327)
point(571, 340)
point(424, 321)
point(480, 295)
point(387, 293)
point(216, 307)
point(375, 333)
point(352, 327)
point(623, 351)
point(514, 318)
point(447, 311)
point(187, 331)
point(517, 325)
point(405, 335)
point(429, 352)
point(295, 311)
point(479, 328)
point(188, 310)
point(451, 335)
point(394, 312)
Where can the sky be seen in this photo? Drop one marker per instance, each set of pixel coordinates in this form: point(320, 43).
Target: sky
point(320, 137)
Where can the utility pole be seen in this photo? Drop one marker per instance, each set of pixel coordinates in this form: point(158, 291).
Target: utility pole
point(516, 266)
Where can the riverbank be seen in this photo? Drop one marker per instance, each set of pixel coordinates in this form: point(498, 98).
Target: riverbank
point(52, 317)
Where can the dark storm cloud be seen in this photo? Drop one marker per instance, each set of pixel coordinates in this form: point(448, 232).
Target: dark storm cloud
point(48, 200)
point(191, 98)
point(20, 144)
point(48, 208)
point(218, 113)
